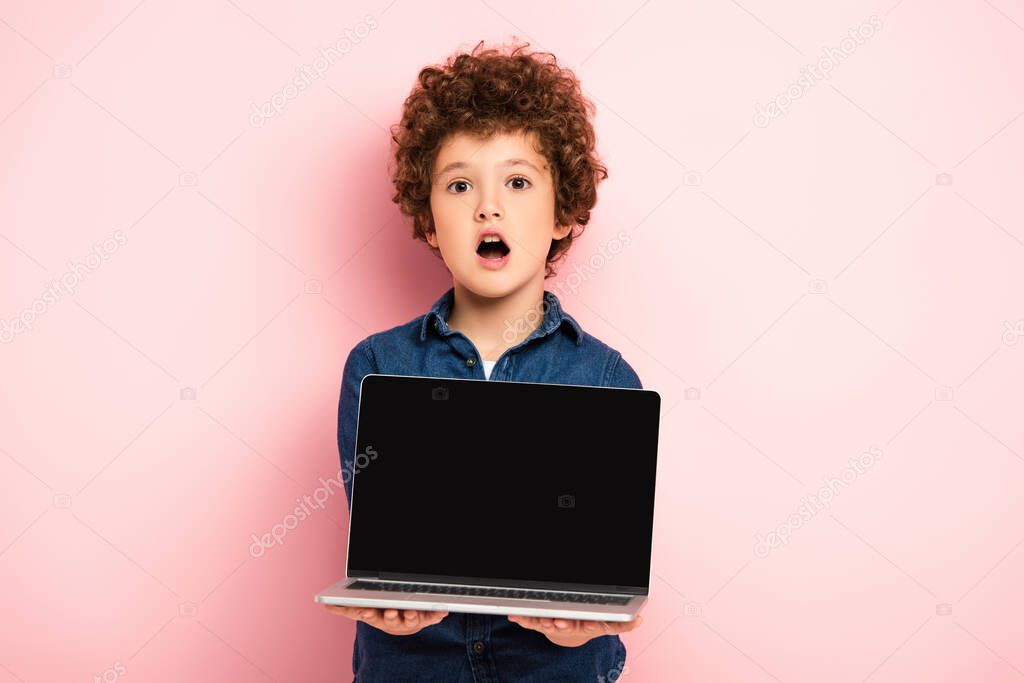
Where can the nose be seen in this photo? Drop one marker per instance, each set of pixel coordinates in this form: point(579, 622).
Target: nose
point(488, 208)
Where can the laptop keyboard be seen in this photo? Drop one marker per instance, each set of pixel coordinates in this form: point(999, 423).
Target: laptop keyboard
point(491, 592)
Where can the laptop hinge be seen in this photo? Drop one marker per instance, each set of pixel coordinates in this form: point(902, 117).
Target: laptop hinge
point(511, 588)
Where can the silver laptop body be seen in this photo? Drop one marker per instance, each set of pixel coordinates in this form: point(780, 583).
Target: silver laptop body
point(552, 520)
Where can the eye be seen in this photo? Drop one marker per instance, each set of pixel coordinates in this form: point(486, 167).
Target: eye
point(519, 177)
point(460, 183)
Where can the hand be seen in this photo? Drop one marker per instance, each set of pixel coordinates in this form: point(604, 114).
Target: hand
point(389, 620)
point(574, 632)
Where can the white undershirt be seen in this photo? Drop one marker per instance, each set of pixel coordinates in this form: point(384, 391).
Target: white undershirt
point(488, 366)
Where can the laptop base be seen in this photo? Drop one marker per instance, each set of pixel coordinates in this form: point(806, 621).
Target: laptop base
point(339, 594)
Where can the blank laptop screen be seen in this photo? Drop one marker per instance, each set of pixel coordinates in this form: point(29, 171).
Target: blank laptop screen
point(511, 483)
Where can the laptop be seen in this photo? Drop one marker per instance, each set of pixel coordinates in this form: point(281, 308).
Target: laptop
point(495, 497)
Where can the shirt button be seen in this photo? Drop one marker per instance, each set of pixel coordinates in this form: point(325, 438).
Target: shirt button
point(478, 647)
point(471, 362)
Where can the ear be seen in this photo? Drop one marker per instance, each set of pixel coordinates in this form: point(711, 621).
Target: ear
point(432, 239)
point(560, 232)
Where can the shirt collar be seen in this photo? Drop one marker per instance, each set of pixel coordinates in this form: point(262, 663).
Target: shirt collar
point(554, 318)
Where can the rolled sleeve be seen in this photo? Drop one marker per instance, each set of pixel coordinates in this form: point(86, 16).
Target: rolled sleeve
point(621, 374)
point(360, 363)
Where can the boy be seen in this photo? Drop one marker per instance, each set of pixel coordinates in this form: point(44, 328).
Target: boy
point(496, 166)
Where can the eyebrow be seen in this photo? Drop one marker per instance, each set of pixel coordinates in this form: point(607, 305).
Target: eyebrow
point(456, 165)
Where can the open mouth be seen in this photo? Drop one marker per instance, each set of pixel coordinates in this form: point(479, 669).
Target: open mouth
point(492, 247)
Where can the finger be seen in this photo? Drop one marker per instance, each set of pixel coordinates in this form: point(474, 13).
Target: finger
point(565, 624)
point(526, 622)
point(391, 616)
point(637, 620)
point(412, 618)
point(373, 617)
point(546, 623)
point(344, 610)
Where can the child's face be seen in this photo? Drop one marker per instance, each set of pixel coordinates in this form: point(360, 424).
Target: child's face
point(484, 192)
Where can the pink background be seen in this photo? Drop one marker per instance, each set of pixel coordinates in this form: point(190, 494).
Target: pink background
point(816, 284)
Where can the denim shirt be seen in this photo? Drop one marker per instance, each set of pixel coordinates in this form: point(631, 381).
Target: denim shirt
point(478, 648)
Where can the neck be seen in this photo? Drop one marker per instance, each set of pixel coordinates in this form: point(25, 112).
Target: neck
point(495, 324)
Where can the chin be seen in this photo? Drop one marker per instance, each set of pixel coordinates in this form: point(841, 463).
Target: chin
point(489, 290)
point(490, 285)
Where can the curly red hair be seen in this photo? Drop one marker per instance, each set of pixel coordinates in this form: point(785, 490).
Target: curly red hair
point(491, 91)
